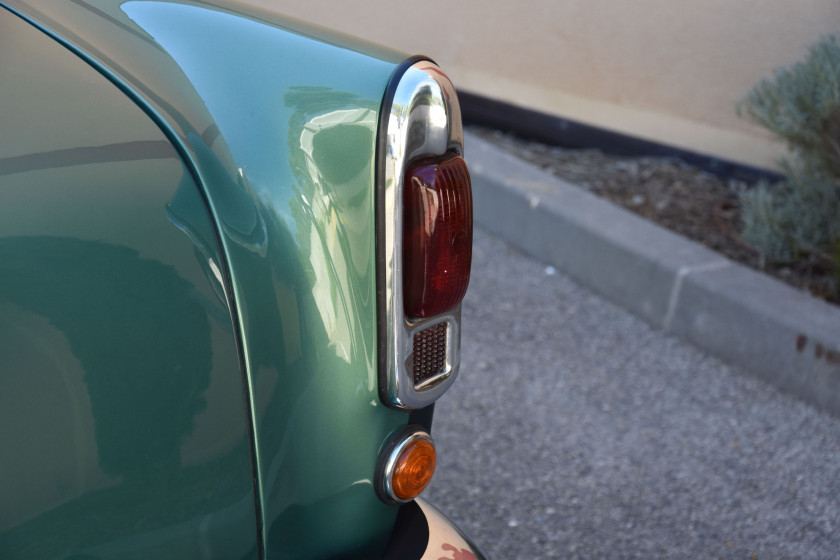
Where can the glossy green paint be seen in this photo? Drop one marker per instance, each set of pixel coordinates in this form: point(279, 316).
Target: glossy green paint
point(123, 423)
point(279, 121)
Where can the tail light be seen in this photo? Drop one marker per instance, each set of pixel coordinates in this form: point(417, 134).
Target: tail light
point(437, 236)
point(424, 224)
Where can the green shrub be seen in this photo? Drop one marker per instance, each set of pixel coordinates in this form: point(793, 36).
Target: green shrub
point(800, 216)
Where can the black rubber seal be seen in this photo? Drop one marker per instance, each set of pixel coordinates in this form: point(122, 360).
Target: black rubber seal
point(423, 417)
point(410, 536)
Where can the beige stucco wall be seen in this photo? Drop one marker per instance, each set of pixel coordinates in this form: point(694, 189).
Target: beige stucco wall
point(667, 70)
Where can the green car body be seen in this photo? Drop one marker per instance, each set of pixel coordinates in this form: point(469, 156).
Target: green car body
point(188, 285)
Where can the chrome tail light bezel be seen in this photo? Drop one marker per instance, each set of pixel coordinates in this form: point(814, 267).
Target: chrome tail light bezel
point(420, 118)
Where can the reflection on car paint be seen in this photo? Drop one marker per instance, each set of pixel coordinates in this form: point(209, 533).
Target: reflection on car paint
point(120, 387)
point(311, 354)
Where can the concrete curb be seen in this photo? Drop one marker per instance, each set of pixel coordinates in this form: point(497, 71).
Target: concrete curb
point(746, 318)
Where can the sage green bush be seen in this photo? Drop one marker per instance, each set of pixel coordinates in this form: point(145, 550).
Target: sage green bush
point(799, 217)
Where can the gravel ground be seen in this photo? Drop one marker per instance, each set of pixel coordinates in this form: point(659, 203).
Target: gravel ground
point(577, 431)
point(676, 196)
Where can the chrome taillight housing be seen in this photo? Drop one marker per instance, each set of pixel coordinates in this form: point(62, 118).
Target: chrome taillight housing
point(424, 236)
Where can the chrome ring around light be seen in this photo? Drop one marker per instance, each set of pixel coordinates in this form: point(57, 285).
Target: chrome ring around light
point(384, 482)
point(423, 119)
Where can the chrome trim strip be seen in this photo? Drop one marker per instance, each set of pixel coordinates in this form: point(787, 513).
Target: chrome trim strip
point(424, 119)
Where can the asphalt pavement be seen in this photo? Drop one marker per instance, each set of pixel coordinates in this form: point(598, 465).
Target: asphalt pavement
point(576, 430)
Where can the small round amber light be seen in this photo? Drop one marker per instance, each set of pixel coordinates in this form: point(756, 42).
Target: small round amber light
point(414, 469)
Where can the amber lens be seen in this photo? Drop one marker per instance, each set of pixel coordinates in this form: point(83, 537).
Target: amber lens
point(414, 469)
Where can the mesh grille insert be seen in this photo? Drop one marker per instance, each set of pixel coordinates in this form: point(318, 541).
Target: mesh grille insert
point(429, 353)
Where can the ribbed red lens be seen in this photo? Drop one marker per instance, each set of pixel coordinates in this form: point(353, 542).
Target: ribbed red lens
point(437, 236)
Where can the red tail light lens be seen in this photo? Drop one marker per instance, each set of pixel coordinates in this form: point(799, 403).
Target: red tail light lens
point(437, 236)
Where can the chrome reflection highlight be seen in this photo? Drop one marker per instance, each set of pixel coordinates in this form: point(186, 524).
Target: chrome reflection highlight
point(424, 120)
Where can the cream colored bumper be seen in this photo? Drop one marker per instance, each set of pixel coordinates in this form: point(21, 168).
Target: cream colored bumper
point(446, 541)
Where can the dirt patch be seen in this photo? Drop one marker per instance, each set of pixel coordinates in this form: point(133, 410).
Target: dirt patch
point(685, 200)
